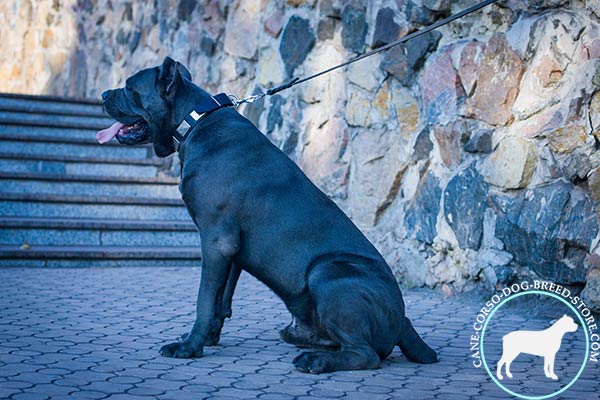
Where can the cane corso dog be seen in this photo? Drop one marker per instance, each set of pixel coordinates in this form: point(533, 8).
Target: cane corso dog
point(257, 211)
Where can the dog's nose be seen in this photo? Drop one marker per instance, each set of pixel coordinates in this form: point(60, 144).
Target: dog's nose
point(105, 95)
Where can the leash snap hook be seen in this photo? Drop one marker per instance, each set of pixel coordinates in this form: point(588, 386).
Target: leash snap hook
point(250, 99)
point(235, 100)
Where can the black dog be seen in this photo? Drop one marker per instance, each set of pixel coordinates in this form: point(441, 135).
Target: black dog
point(257, 211)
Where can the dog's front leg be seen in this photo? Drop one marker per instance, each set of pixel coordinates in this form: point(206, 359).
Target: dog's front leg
point(225, 306)
point(216, 268)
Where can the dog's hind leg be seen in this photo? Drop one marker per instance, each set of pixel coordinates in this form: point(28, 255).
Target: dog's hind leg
point(354, 313)
point(508, 360)
point(306, 335)
point(355, 353)
point(317, 362)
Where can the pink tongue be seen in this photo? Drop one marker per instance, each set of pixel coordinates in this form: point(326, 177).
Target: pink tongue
point(107, 134)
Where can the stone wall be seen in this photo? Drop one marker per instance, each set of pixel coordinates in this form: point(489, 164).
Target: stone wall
point(469, 156)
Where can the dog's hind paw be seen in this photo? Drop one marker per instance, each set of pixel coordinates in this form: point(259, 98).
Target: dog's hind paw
point(183, 349)
point(311, 362)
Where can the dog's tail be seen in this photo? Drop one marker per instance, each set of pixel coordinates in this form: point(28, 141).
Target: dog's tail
point(413, 347)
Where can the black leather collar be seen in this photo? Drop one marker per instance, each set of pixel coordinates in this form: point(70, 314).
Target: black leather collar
point(191, 120)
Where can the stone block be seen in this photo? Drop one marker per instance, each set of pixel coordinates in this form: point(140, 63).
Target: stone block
point(594, 184)
point(416, 14)
point(422, 211)
point(591, 292)
point(358, 109)
point(411, 267)
point(408, 113)
point(451, 138)
point(326, 28)
point(567, 139)
point(469, 63)
point(365, 73)
point(322, 153)
point(594, 113)
point(480, 141)
point(596, 77)
point(274, 23)
point(437, 5)
point(465, 202)
point(593, 6)
point(498, 83)
point(423, 145)
point(274, 117)
point(386, 29)
point(297, 41)
point(271, 70)
point(382, 101)
point(242, 29)
point(185, 8)
point(404, 60)
point(440, 88)
point(512, 164)
point(549, 229)
point(374, 155)
point(354, 28)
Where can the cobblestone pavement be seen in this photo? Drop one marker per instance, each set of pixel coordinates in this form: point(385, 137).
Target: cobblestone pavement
point(95, 334)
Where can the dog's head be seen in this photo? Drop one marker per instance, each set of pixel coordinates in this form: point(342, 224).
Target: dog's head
point(145, 108)
point(567, 323)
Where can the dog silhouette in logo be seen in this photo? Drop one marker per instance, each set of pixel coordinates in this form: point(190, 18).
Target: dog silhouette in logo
point(545, 343)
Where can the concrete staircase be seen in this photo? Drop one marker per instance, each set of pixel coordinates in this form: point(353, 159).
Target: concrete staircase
point(66, 201)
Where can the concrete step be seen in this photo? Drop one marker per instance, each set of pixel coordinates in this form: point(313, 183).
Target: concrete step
point(51, 105)
point(97, 207)
point(67, 201)
point(48, 132)
point(17, 231)
point(89, 185)
point(73, 165)
point(101, 224)
point(84, 256)
point(53, 98)
point(55, 120)
point(60, 146)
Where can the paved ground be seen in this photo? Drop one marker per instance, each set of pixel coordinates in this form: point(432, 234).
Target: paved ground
point(95, 333)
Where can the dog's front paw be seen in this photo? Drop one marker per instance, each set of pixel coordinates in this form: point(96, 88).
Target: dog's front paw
point(183, 349)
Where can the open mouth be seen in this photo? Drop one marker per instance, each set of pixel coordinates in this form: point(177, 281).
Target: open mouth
point(136, 133)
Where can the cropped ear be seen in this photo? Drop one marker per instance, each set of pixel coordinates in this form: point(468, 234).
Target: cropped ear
point(169, 76)
point(184, 72)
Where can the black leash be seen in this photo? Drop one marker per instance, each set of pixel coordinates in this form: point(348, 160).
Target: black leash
point(422, 31)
